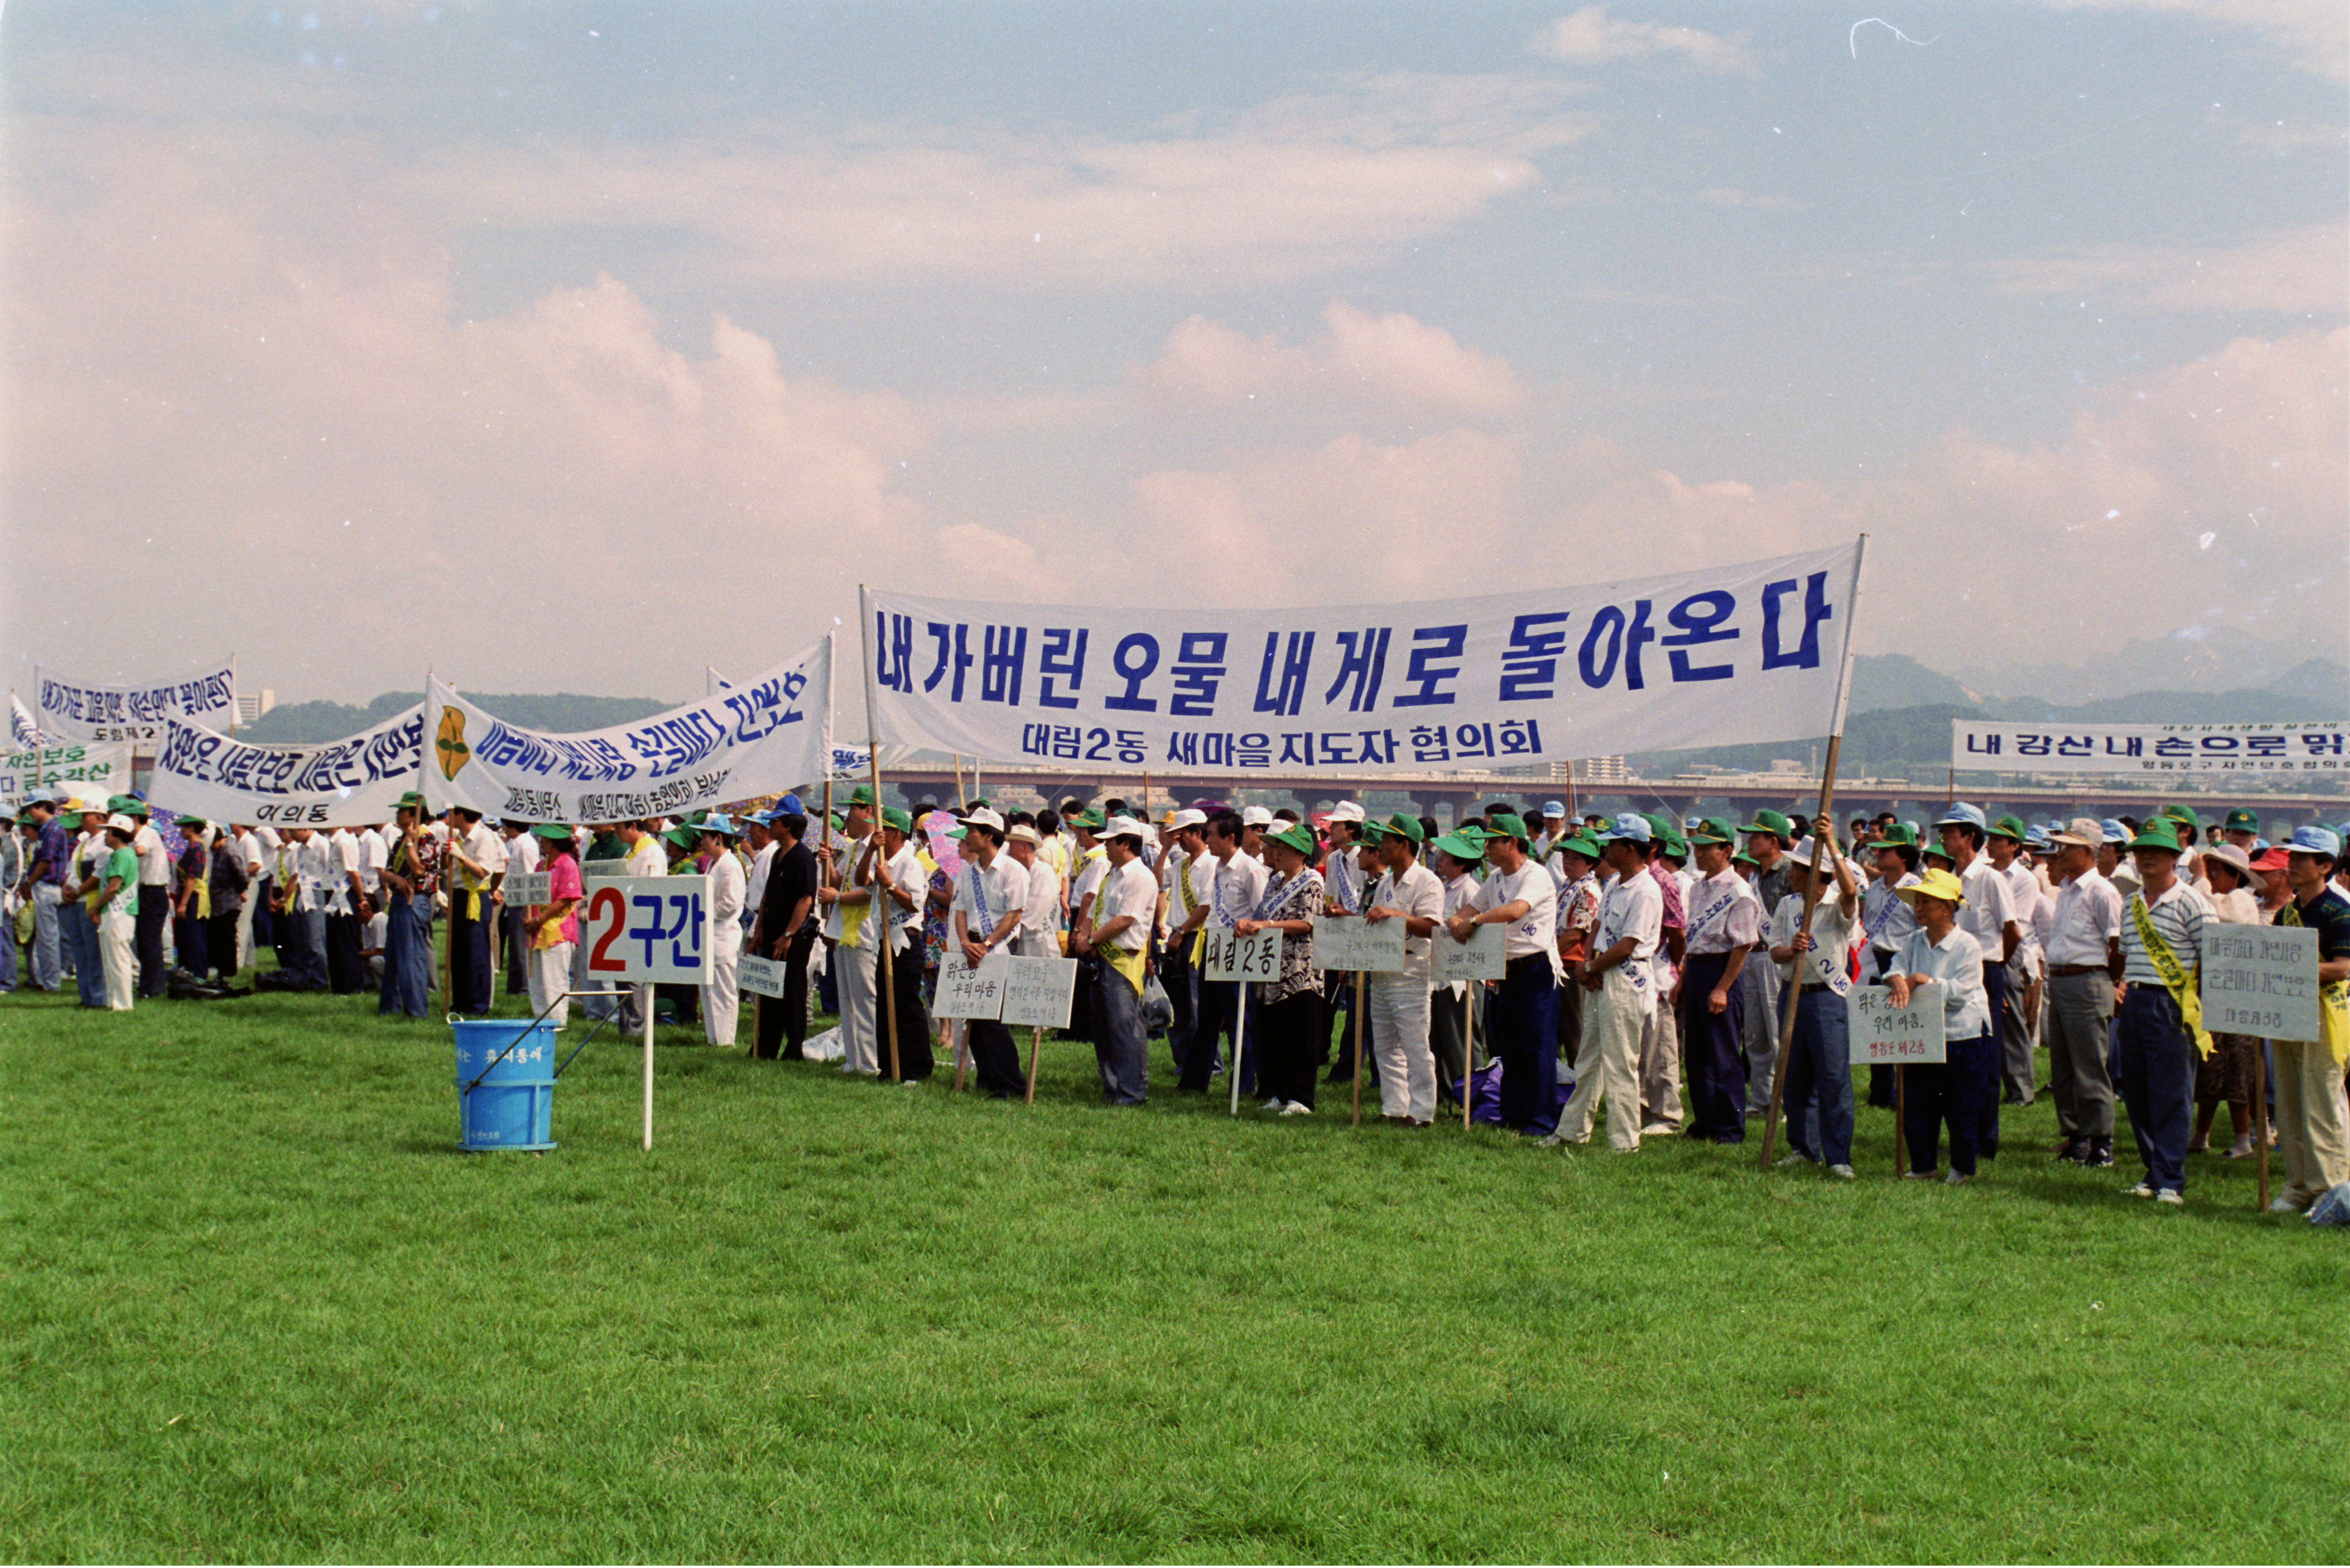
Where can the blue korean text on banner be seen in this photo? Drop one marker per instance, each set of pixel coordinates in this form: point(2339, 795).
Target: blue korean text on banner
point(1726, 656)
point(349, 782)
point(82, 711)
point(2308, 746)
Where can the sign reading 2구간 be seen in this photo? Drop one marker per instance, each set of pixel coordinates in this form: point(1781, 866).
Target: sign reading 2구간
point(761, 737)
point(1733, 655)
point(638, 929)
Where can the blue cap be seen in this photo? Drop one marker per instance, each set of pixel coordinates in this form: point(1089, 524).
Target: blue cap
point(2114, 831)
point(716, 822)
point(790, 803)
point(1629, 825)
point(2314, 841)
point(1553, 808)
point(1965, 816)
point(2037, 839)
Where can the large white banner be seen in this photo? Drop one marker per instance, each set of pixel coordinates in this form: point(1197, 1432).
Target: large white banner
point(2049, 747)
point(350, 783)
point(76, 710)
point(767, 735)
point(1727, 656)
point(79, 770)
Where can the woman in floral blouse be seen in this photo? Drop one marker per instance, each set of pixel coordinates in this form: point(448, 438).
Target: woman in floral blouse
point(1286, 1024)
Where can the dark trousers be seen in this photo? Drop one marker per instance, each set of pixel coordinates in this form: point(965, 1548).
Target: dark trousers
point(1448, 1039)
point(154, 908)
point(220, 943)
point(1121, 1050)
point(1175, 979)
point(1957, 1093)
point(265, 918)
point(1289, 1033)
point(345, 972)
point(1818, 1095)
point(1339, 998)
point(901, 1005)
point(193, 937)
point(1713, 1051)
point(1524, 1027)
point(995, 1059)
point(407, 957)
point(515, 942)
point(783, 1020)
point(469, 966)
point(1215, 1017)
point(2158, 1062)
point(1994, 992)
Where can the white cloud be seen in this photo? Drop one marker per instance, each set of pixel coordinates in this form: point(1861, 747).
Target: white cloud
point(1592, 38)
point(2315, 32)
point(1386, 363)
point(2298, 270)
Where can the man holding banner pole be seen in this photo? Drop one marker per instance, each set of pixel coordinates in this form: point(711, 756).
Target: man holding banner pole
point(852, 905)
point(895, 974)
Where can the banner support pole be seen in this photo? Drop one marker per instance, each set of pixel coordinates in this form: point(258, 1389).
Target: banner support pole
point(888, 998)
point(1359, 978)
point(1239, 1043)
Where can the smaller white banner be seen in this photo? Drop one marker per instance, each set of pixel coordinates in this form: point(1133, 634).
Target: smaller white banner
point(528, 887)
point(2260, 980)
point(78, 710)
point(99, 770)
point(1895, 1036)
point(351, 783)
point(968, 992)
point(760, 977)
point(1358, 946)
point(653, 928)
point(1479, 958)
point(2321, 747)
point(1225, 955)
point(1037, 992)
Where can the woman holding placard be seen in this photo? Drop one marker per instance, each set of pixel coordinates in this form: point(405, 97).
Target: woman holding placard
point(1950, 1091)
point(1287, 1024)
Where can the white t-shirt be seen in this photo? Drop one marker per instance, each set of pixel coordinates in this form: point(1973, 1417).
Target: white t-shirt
point(155, 865)
point(1237, 885)
point(1722, 913)
point(1988, 908)
point(986, 898)
point(1634, 908)
point(727, 883)
point(254, 854)
point(1131, 890)
point(375, 854)
point(1040, 908)
point(1536, 931)
point(1419, 894)
point(1833, 935)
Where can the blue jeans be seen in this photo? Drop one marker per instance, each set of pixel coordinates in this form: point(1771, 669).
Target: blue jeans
point(2157, 1082)
point(407, 957)
point(1121, 1046)
point(1522, 1024)
point(1951, 1094)
point(1819, 1079)
point(79, 939)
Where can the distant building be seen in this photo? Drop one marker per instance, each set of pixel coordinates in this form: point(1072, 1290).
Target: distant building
point(251, 706)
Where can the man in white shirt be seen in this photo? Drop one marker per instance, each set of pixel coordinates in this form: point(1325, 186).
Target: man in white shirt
point(851, 899)
point(1988, 916)
point(1817, 1096)
point(1521, 1018)
point(1725, 923)
point(153, 915)
point(1040, 906)
point(521, 851)
point(761, 843)
point(342, 898)
point(1116, 928)
point(2085, 958)
point(312, 871)
point(1621, 992)
point(722, 994)
point(1181, 896)
point(645, 857)
point(477, 857)
point(1232, 884)
point(1452, 1006)
point(991, 892)
point(1407, 891)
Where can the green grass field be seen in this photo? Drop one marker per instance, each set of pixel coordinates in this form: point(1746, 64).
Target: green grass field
point(258, 1306)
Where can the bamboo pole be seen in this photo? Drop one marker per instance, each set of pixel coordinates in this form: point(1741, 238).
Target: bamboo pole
point(2261, 1118)
point(1468, 1046)
point(1359, 1047)
point(888, 997)
point(1900, 1118)
point(1035, 1049)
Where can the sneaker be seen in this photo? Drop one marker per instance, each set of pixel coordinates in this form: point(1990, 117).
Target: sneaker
point(1276, 1104)
point(1795, 1157)
point(2169, 1195)
point(1659, 1129)
point(1919, 1175)
point(1297, 1108)
point(2100, 1158)
point(2283, 1206)
point(1553, 1141)
point(2141, 1190)
point(1841, 1172)
point(1955, 1179)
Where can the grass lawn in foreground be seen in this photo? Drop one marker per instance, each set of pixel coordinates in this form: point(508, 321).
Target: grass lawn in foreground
point(258, 1306)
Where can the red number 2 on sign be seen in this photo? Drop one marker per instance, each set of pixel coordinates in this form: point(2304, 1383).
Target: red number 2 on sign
point(607, 904)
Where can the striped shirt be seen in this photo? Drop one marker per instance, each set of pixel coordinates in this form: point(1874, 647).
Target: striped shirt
point(2177, 919)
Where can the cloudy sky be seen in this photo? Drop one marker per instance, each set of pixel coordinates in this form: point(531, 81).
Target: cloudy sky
point(572, 347)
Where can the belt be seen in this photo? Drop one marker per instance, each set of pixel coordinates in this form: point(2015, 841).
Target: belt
point(1816, 985)
point(2067, 970)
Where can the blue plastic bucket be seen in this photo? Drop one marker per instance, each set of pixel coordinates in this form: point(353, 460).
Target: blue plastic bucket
point(513, 1106)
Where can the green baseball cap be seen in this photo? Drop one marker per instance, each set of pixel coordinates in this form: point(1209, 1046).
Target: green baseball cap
point(1506, 824)
point(1671, 842)
point(1405, 825)
point(897, 817)
point(861, 795)
point(2009, 828)
point(558, 831)
point(2156, 835)
point(1581, 843)
point(682, 838)
point(1715, 831)
point(2241, 821)
point(411, 798)
point(1901, 833)
point(1297, 835)
point(1091, 817)
point(1772, 822)
point(2177, 813)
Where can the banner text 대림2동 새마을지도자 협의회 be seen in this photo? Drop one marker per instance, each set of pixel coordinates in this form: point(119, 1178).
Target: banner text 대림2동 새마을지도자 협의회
point(1727, 655)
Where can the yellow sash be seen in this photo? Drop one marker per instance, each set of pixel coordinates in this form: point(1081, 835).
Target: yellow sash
point(2184, 987)
point(1191, 902)
point(2333, 1003)
point(1127, 961)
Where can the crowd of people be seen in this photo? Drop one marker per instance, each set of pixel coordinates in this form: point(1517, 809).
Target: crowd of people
point(1645, 959)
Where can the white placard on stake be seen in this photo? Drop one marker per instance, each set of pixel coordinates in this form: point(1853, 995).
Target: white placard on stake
point(653, 928)
point(761, 976)
point(528, 887)
point(1479, 958)
point(1225, 955)
point(2260, 980)
point(1894, 1036)
point(1358, 946)
point(968, 992)
point(1037, 992)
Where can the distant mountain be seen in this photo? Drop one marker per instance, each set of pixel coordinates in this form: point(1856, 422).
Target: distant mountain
point(560, 712)
point(1898, 681)
point(2204, 659)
